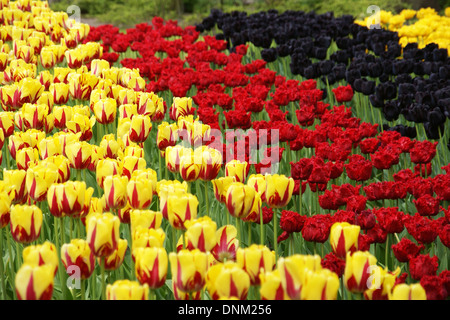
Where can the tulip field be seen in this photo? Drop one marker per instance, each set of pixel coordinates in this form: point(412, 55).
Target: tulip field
point(270, 156)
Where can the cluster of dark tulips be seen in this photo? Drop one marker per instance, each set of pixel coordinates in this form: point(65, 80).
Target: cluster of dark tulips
point(345, 170)
point(410, 83)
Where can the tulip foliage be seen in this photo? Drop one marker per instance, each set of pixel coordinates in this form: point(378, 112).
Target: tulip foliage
point(170, 163)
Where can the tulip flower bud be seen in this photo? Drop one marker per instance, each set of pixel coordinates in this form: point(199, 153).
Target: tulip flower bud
point(113, 148)
point(201, 234)
point(167, 135)
point(227, 281)
point(25, 156)
point(5, 207)
point(258, 182)
point(139, 192)
point(320, 285)
point(107, 167)
point(115, 259)
point(240, 199)
point(34, 282)
point(61, 164)
point(189, 170)
point(358, 270)
point(49, 147)
point(98, 65)
point(237, 169)
point(7, 123)
point(181, 207)
point(115, 188)
point(131, 164)
point(181, 106)
point(271, 287)
point(211, 160)
point(126, 290)
point(404, 291)
point(17, 180)
point(151, 265)
point(42, 254)
point(165, 189)
point(344, 238)
point(47, 58)
point(173, 156)
point(293, 272)
point(79, 154)
point(189, 268)
point(60, 92)
point(226, 244)
point(67, 199)
point(147, 219)
point(105, 110)
point(26, 223)
point(38, 180)
point(144, 237)
point(255, 259)
point(279, 189)
point(220, 186)
point(102, 233)
point(383, 282)
point(33, 115)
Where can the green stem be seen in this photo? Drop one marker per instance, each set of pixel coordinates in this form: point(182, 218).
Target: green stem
point(83, 289)
point(2, 271)
point(102, 266)
point(206, 198)
point(261, 227)
point(275, 234)
point(249, 233)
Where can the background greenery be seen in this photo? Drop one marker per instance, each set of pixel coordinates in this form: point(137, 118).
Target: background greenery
point(126, 13)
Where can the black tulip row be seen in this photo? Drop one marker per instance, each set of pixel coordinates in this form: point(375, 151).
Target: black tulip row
point(413, 82)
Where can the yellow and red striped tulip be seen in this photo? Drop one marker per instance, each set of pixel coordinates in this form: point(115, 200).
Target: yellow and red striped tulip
point(107, 167)
point(344, 238)
point(189, 169)
point(25, 223)
point(38, 181)
point(240, 200)
point(258, 182)
point(404, 291)
point(33, 282)
point(126, 96)
point(126, 290)
point(25, 156)
point(211, 160)
point(271, 287)
point(201, 234)
point(7, 123)
point(359, 267)
point(147, 219)
point(61, 75)
point(255, 259)
point(102, 233)
point(146, 238)
point(383, 281)
point(139, 192)
point(189, 268)
point(140, 128)
point(62, 114)
point(49, 147)
point(151, 266)
point(167, 135)
point(113, 148)
point(98, 65)
point(68, 198)
point(279, 189)
point(4, 57)
point(173, 156)
point(220, 186)
point(47, 58)
point(41, 254)
point(78, 253)
point(74, 58)
point(227, 281)
point(181, 106)
point(60, 164)
point(81, 85)
point(320, 285)
point(181, 207)
point(115, 188)
point(127, 111)
point(60, 92)
point(227, 244)
point(105, 110)
point(131, 164)
point(79, 154)
point(5, 208)
point(115, 259)
point(16, 180)
point(293, 271)
point(237, 169)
